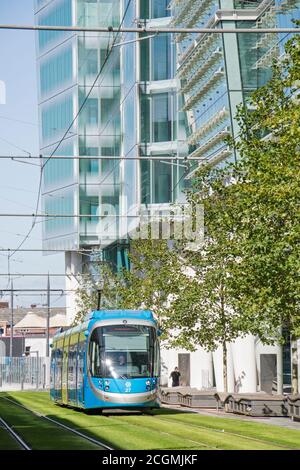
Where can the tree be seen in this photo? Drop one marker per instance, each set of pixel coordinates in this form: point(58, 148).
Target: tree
point(268, 194)
point(103, 281)
point(204, 313)
point(190, 285)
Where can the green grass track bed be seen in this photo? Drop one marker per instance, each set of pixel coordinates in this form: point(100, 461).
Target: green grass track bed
point(163, 430)
point(7, 442)
point(38, 433)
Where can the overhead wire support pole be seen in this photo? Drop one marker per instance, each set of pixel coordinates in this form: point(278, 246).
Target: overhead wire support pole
point(161, 30)
point(11, 321)
point(48, 317)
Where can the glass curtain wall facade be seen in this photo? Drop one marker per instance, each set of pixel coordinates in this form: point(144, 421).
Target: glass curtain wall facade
point(133, 110)
point(68, 64)
point(218, 72)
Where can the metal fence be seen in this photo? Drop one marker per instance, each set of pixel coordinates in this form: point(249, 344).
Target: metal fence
point(24, 373)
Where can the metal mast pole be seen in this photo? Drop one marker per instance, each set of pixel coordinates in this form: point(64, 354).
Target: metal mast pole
point(48, 316)
point(11, 321)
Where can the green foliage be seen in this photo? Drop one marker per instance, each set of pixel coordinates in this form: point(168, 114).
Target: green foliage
point(106, 282)
point(267, 198)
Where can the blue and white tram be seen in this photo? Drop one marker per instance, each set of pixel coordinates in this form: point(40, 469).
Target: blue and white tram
point(110, 360)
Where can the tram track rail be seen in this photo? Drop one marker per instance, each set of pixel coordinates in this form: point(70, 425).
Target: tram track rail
point(14, 435)
point(97, 442)
point(222, 431)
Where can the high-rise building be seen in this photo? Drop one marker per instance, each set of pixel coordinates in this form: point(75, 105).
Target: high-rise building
point(128, 119)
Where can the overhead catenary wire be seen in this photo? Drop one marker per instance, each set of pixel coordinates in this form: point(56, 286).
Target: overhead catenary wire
point(148, 30)
point(119, 158)
point(45, 275)
point(56, 250)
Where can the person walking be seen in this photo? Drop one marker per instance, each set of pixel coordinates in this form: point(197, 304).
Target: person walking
point(175, 375)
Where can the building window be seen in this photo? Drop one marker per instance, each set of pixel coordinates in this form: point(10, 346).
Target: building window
point(154, 8)
point(157, 58)
point(92, 111)
point(162, 118)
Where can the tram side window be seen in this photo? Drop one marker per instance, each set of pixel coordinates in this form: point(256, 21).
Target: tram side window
point(80, 363)
point(72, 363)
point(58, 368)
point(95, 363)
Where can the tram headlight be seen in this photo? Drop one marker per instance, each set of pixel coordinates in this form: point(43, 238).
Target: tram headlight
point(148, 382)
point(106, 388)
point(106, 382)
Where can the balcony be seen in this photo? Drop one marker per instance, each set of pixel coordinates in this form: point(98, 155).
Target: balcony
point(213, 160)
point(183, 9)
point(265, 62)
point(209, 85)
point(213, 121)
point(215, 139)
point(198, 52)
point(196, 12)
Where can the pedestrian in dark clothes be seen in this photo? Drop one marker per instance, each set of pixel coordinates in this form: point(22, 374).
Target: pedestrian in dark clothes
point(175, 377)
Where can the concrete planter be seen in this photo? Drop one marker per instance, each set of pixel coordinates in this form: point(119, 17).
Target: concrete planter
point(294, 407)
point(257, 404)
point(197, 399)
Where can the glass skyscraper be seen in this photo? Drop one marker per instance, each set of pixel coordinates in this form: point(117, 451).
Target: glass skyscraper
point(131, 119)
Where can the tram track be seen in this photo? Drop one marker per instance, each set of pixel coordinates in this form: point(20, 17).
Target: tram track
point(20, 441)
point(221, 431)
point(97, 442)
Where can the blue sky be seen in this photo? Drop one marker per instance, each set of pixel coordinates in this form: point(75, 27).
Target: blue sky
point(19, 182)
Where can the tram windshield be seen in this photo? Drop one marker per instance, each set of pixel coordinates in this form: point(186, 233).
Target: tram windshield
point(123, 351)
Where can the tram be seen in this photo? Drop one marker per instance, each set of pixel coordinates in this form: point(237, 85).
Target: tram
point(111, 360)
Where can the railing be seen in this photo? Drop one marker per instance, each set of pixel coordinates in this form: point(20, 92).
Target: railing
point(24, 373)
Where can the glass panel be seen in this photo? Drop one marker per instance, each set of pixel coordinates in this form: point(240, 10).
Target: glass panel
point(160, 8)
point(122, 351)
point(162, 182)
point(145, 58)
point(161, 57)
point(145, 182)
point(154, 8)
point(162, 120)
point(56, 71)
point(145, 118)
point(57, 117)
point(58, 15)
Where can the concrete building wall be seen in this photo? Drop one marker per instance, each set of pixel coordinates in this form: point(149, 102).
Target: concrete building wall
point(206, 369)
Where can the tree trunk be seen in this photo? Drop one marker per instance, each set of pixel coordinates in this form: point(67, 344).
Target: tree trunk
point(294, 354)
point(225, 376)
